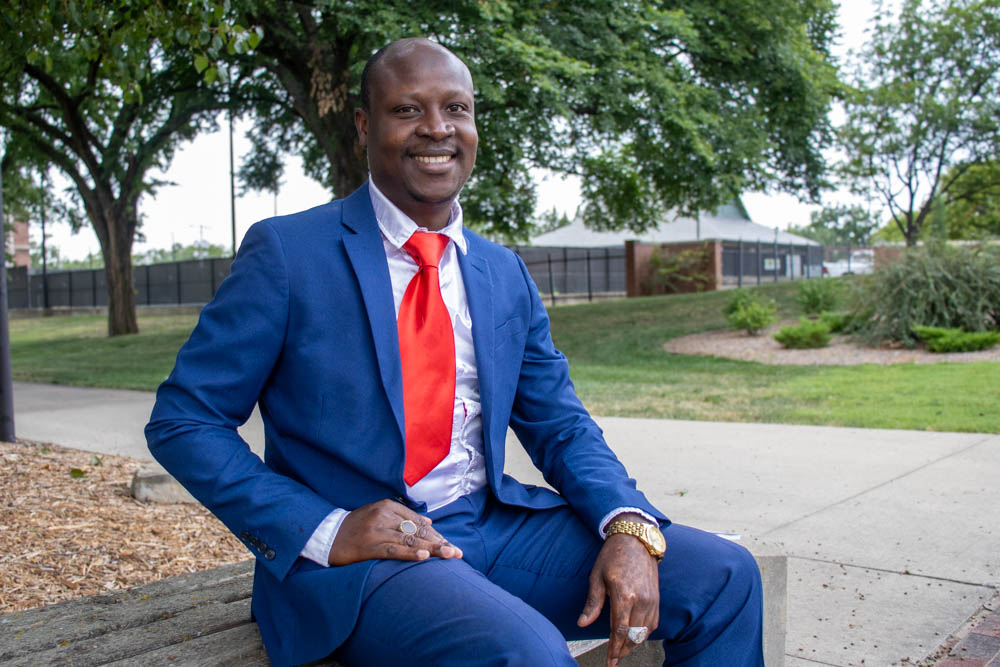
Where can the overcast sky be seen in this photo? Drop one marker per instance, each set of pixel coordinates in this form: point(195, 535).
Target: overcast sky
point(197, 206)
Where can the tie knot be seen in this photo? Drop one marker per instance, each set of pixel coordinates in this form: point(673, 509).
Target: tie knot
point(426, 248)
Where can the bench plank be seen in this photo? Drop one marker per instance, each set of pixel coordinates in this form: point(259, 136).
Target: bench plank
point(206, 619)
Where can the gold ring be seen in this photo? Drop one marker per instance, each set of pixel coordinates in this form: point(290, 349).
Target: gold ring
point(407, 527)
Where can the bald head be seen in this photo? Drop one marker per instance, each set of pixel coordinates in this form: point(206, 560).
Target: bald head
point(394, 51)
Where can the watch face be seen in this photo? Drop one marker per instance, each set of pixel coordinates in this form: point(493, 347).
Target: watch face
point(656, 539)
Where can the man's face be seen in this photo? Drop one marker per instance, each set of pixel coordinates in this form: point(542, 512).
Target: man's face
point(420, 131)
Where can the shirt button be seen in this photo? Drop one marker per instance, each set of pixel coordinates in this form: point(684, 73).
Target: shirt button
point(269, 554)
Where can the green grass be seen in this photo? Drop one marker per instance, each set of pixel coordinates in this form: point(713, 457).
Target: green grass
point(75, 350)
point(618, 364)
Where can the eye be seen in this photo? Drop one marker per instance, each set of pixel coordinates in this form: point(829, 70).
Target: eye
point(406, 109)
point(457, 107)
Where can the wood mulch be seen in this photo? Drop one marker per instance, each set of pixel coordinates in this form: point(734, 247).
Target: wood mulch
point(66, 534)
point(842, 351)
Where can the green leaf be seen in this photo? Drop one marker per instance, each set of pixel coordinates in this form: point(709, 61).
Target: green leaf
point(254, 39)
point(76, 473)
point(95, 460)
point(200, 63)
point(211, 74)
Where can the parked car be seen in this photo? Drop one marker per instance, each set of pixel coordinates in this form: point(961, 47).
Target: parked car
point(861, 261)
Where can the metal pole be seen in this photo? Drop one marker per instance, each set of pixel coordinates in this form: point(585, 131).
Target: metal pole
point(232, 177)
point(552, 282)
point(178, 272)
point(590, 291)
point(6, 385)
point(739, 264)
point(760, 261)
point(45, 259)
point(776, 263)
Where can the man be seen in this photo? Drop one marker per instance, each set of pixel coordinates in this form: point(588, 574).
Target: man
point(389, 350)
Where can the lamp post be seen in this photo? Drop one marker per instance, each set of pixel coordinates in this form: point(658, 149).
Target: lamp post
point(6, 385)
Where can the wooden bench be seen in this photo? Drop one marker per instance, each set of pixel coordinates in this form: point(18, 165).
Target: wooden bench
point(204, 619)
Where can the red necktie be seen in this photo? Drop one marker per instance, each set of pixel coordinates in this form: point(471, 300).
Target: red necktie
point(427, 350)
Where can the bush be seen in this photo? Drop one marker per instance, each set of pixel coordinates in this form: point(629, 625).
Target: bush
point(807, 335)
point(936, 285)
point(739, 297)
point(753, 316)
point(818, 295)
point(836, 322)
point(939, 339)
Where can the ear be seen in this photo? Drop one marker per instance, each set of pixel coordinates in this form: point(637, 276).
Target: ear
point(361, 125)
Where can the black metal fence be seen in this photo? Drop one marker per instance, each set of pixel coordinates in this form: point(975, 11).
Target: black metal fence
point(562, 275)
point(565, 274)
point(756, 262)
point(174, 283)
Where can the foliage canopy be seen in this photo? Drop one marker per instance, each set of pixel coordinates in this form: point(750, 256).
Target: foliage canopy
point(655, 108)
point(924, 107)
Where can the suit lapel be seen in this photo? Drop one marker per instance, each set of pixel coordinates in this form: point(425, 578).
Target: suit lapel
point(367, 255)
point(479, 293)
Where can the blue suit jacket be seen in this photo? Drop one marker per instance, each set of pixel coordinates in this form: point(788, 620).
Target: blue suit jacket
point(305, 325)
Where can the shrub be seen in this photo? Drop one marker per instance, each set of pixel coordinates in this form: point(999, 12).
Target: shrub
point(818, 295)
point(739, 297)
point(939, 339)
point(936, 285)
point(807, 334)
point(836, 322)
point(684, 270)
point(753, 316)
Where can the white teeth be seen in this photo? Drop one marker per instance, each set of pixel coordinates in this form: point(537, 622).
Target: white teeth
point(432, 159)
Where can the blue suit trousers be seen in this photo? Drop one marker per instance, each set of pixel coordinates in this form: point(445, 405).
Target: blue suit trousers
point(515, 597)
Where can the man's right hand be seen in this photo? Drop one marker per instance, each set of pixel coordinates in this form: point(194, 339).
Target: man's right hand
point(373, 531)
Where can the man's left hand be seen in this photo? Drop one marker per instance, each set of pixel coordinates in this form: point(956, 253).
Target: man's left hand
point(626, 573)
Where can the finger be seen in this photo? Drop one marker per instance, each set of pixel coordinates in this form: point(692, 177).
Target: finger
point(595, 602)
point(425, 539)
point(619, 644)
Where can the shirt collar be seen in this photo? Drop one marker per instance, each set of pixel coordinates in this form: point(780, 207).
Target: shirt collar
point(398, 227)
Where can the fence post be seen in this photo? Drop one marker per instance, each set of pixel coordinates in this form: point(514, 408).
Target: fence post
point(739, 264)
point(211, 270)
point(607, 269)
point(93, 286)
point(590, 291)
point(552, 284)
point(178, 273)
point(760, 261)
point(776, 262)
point(149, 288)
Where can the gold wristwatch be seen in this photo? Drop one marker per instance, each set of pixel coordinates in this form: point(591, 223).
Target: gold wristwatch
point(647, 533)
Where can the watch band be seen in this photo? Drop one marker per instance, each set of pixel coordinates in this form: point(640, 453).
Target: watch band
point(640, 531)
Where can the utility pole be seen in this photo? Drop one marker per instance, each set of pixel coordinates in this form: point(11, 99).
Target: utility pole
point(6, 385)
point(45, 258)
point(232, 174)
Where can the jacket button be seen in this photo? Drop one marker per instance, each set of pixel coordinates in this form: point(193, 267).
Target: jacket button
point(269, 554)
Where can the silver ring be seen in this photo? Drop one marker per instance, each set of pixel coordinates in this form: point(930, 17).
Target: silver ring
point(407, 527)
point(637, 634)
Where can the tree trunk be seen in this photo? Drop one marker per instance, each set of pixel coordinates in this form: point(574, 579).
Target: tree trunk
point(115, 231)
point(121, 295)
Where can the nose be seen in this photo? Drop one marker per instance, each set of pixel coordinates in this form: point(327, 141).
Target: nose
point(435, 126)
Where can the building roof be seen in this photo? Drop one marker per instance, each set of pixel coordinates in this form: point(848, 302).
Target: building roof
point(729, 223)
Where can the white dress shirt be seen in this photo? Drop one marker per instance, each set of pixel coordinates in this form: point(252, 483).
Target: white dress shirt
point(463, 470)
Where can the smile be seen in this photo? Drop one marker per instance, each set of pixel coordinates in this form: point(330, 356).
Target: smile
point(432, 159)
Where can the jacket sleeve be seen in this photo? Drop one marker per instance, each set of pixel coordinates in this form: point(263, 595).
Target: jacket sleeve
point(559, 434)
point(218, 377)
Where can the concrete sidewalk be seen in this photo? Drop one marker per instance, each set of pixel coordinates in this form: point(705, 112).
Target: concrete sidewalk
point(892, 536)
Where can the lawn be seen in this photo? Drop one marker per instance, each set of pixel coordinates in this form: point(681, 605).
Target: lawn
point(618, 364)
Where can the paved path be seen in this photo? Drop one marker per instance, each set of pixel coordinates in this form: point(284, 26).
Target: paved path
point(892, 536)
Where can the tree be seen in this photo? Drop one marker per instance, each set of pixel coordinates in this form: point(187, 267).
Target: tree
point(839, 225)
point(655, 108)
point(924, 111)
point(105, 91)
point(973, 212)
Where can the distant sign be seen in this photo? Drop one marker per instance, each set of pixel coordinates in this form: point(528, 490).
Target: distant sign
point(771, 264)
